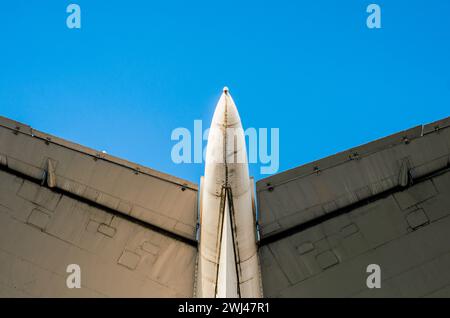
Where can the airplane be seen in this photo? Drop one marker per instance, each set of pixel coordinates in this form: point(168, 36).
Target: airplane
point(132, 231)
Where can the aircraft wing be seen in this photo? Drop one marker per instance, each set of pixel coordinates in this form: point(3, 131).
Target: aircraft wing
point(132, 230)
point(386, 203)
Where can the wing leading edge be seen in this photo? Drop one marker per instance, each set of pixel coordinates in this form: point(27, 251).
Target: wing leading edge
point(322, 223)
point(132, 230)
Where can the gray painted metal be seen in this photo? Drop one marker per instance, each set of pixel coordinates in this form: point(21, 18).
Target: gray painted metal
point(302, 194)
point(42, 232)
point(385, 203)
point(131, 229)
point(153, 197)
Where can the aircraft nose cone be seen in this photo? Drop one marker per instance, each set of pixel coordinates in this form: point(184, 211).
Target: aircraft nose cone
point(226, 113)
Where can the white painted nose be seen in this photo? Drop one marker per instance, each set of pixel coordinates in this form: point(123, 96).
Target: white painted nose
point(228, 263)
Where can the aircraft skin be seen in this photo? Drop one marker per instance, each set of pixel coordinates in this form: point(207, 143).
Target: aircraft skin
point(228, 259)
point(133, 230)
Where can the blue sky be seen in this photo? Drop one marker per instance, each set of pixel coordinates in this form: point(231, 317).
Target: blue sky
point(136, 70)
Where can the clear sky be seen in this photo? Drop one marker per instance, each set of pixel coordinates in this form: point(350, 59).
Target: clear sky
point(136, 70)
